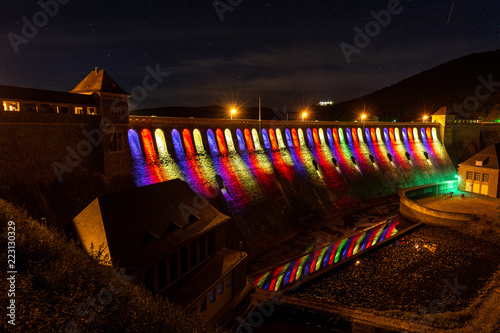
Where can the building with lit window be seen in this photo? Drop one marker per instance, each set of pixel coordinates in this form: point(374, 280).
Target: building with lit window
point(480, 173)
point(173, 242)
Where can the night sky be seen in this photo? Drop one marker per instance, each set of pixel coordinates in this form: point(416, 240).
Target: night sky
point(287, 52)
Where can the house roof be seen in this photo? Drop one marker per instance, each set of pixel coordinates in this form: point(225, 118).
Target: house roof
point(488, 158)
point(99, 81)
point(49, 96)
point(443, 111)
point(140, 224)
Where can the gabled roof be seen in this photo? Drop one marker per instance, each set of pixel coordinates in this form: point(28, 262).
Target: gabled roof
point(138, 225)
point(487, 158)
point(49, 96)
point(98, 81)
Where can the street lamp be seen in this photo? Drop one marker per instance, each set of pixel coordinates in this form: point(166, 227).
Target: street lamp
point(363, 117)
point(304, 114)
point(425, 118)
point(233, 111)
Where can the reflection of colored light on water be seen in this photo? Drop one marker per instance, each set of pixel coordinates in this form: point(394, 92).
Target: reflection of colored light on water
point(176, 138)
point(241, 140)
point(386, 134)
point(367, 135)
point(354, 135)
point(272, 138)
point(248, 139)
point(212, 143)
point(434, 134)
point(320, 258)
point(314, 260)
point(410, 134)
point(322, 136)
point(379, 135)
point(396, 134)
point(295, 138)
point(229, 140)
point(198, 141)
point(220, 141)
point(373, 134)
point(334, 251)
point(353, 244)
point(368, 239)
point(358, 243)
point(188, 143)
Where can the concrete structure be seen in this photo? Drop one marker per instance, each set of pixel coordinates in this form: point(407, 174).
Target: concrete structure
point(480, 173)
point(413, 211)
point(173, 242)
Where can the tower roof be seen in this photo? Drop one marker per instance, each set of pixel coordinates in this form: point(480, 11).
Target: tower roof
point(98, 81)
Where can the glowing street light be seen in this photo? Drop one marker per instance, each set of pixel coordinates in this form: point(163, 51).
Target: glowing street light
point(304, 114)
point(233, 111)
point(425, 117)
point(363, 117)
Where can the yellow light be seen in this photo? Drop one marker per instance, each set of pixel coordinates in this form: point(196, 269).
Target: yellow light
point(304, 114)
point(233, 111)
point(363, 116)
point(425, 118)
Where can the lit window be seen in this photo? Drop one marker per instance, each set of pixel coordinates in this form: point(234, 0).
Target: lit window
point(212, 296)
point(220, 289)
point(92, 111)
point(203, 304)
point(477, 176)
point(228, 280)
point(78, 110)
point(486, 177)
point(11, 106)
point(62, 109)
point(469, 175)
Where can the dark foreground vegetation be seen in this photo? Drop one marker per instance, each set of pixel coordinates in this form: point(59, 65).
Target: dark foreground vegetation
point(60, 288)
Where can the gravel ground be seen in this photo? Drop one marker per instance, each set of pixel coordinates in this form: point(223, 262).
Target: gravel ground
point(409, 274)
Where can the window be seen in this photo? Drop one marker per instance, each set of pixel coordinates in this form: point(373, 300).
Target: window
point(477, 176)
point(174, 272)
point(78, 110)
point(116, 142)
point(162, 274)
point(116, 112)
point(92, 111)
point(184, 260)
point(228, 280)
point(11, 106)
point(194, 255)
point(212, 296)
point(149, 279)
point(62, 109)
point(469, 175)
point(220, 288)
point(203, 304)
point(486, 177)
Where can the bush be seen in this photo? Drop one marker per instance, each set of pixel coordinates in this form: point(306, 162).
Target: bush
point(59, 288)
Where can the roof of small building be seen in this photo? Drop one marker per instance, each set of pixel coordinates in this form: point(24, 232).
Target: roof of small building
point(99, 81)
point(489, 158)
point(140, 224)
point(49, 96)
point(443, 111)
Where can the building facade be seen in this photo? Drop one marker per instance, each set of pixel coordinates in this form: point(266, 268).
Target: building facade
point(480, 173)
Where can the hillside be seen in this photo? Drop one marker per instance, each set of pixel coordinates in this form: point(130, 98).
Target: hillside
point(450, 84)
